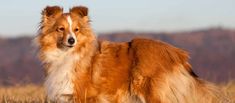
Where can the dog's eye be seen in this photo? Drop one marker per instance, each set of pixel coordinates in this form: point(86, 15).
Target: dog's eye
point(76, 29)
point(60, 29)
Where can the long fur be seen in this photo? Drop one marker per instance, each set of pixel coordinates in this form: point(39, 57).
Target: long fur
point(139, 71)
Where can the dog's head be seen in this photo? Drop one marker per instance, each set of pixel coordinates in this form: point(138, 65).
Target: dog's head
point(65, 30)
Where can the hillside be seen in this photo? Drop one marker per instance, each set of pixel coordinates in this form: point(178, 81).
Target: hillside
point(19, 63)
point(212, 53)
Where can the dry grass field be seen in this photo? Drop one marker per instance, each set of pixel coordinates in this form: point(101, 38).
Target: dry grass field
point(35, 94)
point(22, 94)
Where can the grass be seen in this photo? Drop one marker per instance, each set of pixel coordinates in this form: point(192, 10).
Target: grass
point(22, 94)
point(35, 94)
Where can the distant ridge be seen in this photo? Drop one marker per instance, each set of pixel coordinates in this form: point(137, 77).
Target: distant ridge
point(212, 54)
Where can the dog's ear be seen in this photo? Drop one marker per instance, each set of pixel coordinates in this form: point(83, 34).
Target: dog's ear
point(80, 11)
point(51, 12)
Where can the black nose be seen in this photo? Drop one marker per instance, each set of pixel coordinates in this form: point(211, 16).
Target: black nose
point(71, 40)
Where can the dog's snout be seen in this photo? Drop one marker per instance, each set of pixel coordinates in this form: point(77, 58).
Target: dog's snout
point(71, 40)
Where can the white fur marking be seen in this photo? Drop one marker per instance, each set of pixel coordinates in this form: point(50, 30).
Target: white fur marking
point(72, 34)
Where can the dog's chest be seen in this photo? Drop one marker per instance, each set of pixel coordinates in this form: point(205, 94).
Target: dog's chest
point(59, 81)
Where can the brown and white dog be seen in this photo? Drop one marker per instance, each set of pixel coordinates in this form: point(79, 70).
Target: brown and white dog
point(81, 69)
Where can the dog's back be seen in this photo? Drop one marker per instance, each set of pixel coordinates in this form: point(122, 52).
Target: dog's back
point(147, 71)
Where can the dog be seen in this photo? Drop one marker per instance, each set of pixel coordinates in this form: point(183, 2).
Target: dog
point(81, 69)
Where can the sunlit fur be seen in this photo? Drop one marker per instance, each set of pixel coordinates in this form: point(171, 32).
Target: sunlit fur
point(139, 71)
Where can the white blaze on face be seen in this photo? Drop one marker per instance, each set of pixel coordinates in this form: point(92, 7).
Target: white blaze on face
point(71, 33)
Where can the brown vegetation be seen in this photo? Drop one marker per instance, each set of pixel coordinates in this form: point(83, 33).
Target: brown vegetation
point(22, 94)
point(35, 94)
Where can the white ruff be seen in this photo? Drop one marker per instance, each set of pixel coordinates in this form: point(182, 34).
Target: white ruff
point(59, 81)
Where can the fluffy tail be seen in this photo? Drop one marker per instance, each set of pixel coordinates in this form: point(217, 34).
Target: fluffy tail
point(206, 92)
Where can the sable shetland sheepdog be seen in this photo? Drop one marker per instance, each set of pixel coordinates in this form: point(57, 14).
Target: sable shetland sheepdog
point(80, 69)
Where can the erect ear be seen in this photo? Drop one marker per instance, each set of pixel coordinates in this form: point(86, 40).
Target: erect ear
point(51, 12)
point(80, 11)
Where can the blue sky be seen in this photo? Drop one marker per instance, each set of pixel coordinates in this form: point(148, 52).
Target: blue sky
point(19, 17)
